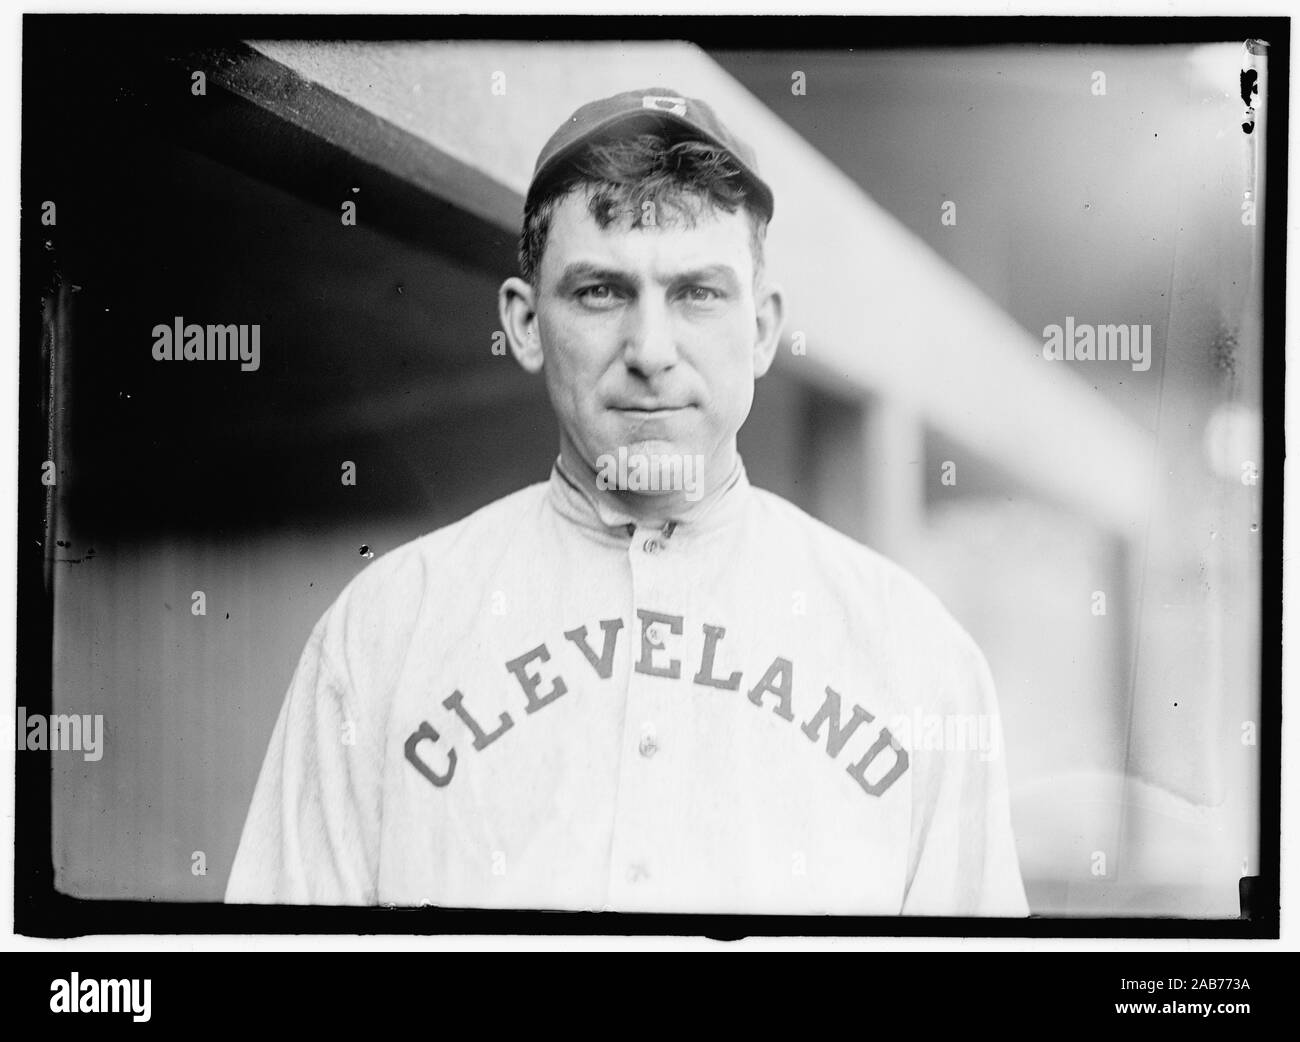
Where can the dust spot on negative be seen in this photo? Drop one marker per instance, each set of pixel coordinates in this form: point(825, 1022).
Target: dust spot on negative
point(1249, 85)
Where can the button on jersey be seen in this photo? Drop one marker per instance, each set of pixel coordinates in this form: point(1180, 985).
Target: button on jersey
point(550, 706)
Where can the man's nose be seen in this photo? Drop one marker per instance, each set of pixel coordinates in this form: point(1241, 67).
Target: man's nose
point(649, 344)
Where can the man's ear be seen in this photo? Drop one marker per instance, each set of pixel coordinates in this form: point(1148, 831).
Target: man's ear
point(517, 306)
point(770, 318)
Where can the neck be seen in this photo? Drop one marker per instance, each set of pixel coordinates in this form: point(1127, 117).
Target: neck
point(653, 507)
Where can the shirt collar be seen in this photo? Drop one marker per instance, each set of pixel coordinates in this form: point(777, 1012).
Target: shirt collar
point(601, 511)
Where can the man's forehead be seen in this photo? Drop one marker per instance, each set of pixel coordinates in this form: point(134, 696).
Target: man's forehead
point(666, 237)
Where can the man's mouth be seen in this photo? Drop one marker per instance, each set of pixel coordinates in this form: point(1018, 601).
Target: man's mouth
point(649, 408)
point(648, 414)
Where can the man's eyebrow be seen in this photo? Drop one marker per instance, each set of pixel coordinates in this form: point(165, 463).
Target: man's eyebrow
point(583, 271)
point(709, 273)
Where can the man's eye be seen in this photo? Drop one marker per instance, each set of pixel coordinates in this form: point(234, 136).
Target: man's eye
point(701, 295)
point(597, 295)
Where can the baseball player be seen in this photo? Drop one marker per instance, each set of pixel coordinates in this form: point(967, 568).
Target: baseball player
point(642, 684)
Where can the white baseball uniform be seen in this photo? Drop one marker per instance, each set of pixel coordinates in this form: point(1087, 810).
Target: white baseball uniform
point(546, 705)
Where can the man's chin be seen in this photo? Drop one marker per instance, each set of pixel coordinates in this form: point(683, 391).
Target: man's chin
point(654, 447)
point(645, 449)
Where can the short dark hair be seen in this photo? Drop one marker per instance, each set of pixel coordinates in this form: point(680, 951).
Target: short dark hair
point(679, 177)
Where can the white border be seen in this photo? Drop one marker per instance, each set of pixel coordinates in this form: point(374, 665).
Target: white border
point(10, 60)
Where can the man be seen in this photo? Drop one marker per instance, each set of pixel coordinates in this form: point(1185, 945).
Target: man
point(642, 685)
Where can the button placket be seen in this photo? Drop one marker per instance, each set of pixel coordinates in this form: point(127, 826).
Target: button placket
point(631, 868)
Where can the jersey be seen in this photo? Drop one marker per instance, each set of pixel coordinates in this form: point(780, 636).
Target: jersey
point(547, 705)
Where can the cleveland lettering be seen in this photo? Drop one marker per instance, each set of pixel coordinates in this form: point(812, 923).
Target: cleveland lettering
point(877, 761)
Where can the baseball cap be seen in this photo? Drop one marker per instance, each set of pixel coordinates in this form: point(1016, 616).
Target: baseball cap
point(634, 110)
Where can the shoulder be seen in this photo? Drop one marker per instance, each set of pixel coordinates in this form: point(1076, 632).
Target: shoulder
point(840, 559)
point(377, 610)
point(865, 585)
point(407, 565)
